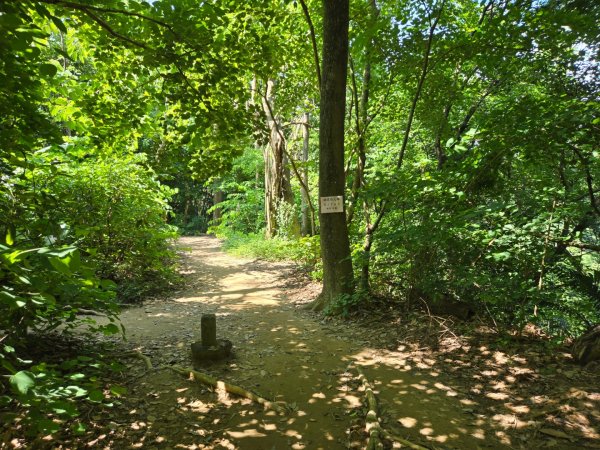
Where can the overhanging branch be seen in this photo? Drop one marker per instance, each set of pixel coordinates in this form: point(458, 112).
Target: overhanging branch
point(84, 8)
point(313, 40)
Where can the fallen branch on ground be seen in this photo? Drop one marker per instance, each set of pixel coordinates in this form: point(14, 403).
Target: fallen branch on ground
point(231, 388)
point(213, 382)
point(395, 438)
point(373, 426)
point(91, 312)
point(141, 356)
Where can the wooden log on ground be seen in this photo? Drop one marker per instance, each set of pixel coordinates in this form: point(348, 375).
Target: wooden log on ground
point(372, 425)
point(231, 388)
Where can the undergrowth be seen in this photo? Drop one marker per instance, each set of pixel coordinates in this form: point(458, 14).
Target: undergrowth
point(304, 251)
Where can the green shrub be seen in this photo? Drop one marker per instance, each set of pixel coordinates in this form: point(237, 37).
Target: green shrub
point(119, 212)
point(72, 234)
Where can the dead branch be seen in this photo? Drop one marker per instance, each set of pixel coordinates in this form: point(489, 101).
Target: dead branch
point(141, 356)
point(372, 426)
point(231, 388)
point(395, 438)
point(90, 312)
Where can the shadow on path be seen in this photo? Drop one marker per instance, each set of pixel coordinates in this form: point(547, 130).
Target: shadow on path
point(284, 354)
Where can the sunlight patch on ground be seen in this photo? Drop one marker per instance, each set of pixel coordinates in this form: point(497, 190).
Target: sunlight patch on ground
point(352, 400)
point(161, 315)
point(497, 395)
point(503, 437)
point(509, 421)
point(427, 431)
point(449, 391)
point(408, 422)
point(199, 406)
point(518, 409)
point(241, 301)
point(478, 434)
point(249, 433)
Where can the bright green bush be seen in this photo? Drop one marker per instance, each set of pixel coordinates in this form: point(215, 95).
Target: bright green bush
point(119, 212)
point(73, 234)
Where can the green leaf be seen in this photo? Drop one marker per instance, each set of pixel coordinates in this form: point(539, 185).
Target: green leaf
point(48, 70)
point(76, 391)
point(10, 21)
point(16, 256)
point(47, 426)
point(64, 408)
point(108, 284)
point(42, 10)
point(10, 236)
point(12, 299)
point(61, 264)
point(109, 329)
point(7, 365)
point(75, 261)
point(5, 400)
point(59, 24)
point(96, 396)
point(501, 256)
point(118, 390)
point(22, 381)
point(78, 428)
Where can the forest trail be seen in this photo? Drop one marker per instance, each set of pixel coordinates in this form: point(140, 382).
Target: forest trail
point(284, 353)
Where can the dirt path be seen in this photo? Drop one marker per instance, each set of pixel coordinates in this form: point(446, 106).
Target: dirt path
point(283, 353)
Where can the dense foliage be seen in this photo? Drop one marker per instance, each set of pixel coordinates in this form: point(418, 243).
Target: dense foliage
point(472, 159)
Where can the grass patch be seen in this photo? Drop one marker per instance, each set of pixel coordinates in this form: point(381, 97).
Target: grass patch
point(256, 246)
point(304, 251)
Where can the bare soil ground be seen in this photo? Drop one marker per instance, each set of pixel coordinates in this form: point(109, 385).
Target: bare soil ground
point(436, 388)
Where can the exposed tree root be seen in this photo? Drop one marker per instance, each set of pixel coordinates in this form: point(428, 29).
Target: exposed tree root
point(373, 427)
point(213, 382)
point(141, 356)
point(231, 388)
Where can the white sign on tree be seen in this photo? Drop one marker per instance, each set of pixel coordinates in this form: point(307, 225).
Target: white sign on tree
point(333, 204)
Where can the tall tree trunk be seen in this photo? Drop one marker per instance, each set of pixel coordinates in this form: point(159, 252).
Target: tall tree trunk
point(278, 188)
point(307, 223)
point(186, 210)
point(335, 244)
point(218, 197)
point(270, 192)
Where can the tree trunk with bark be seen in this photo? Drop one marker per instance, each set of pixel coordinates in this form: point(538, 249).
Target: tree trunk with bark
point(278, 188)
point(218, 197)
point(335, 244)
point(307, 224)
